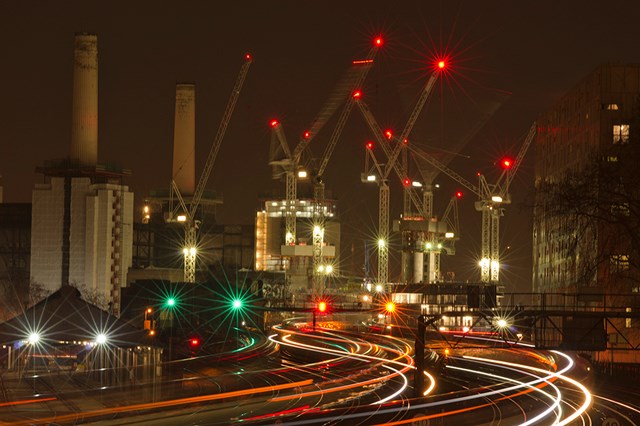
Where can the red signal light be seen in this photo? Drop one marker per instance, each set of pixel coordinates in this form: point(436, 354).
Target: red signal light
point(357, 94)
point(506, 163)
point(369, 145)
point(459, 194)
point(248, 56)
point(274, 123)
point(441, 64)
point(194, 341)
point(378, 41)
point(406, 182)
point(307, 134)
point(388, 134)
point(322, 307)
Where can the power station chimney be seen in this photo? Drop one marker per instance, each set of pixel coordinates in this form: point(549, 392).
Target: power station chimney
point(184, 139)
point(84, 114)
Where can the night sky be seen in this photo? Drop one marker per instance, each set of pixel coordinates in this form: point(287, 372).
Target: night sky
point(523, 54)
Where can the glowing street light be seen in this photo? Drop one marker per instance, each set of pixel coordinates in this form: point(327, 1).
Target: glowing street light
point(390, 307)
point(502, 323)
point(101, 339)
point(33, 338)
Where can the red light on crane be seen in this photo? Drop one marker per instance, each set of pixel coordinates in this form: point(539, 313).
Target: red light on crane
point(357, 94)
point(441, 64)
point(406, 141)
point(274, 123)
point(194, 341)
point(248, 56)
point(378, 41)
point(406, 182)
point(369, 145)
point(459, 194)
point(506, 163)
point(306, 134)
point(388, 134)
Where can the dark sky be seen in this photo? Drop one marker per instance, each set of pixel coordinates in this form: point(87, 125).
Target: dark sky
point(535, 51)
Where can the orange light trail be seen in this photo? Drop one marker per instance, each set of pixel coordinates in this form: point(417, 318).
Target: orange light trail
point(26, 401)
point(164, 404)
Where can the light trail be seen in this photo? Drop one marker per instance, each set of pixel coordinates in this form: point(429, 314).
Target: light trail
point(559, 374)
point(398, 392)
point(162, 404)
point(405, 367)
point(530, 385)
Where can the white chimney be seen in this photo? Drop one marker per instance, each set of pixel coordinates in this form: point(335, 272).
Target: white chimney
point(84, 114)
point(184, 139)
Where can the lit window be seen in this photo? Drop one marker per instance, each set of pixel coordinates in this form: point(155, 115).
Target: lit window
point(619, 262)
point(620, 133)
point(627, 321)
point(611, 107)
point(620, 209)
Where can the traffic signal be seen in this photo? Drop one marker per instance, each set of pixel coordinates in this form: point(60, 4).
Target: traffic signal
point(148, 319)
point(194, 344)
point(322, 307)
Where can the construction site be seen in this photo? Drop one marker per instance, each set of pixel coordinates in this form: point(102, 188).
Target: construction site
point(84, 230)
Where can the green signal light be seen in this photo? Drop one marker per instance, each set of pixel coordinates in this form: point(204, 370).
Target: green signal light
point(237, 304)
point(171, 302)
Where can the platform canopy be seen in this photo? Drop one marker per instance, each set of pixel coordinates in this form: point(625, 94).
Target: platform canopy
point(65, 318)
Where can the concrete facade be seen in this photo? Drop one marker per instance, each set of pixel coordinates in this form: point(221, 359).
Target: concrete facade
point(97, 234)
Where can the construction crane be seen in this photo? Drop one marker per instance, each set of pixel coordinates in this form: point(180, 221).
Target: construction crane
point(383, 171)
point(185, 210)
point(491, 201)
point(287, 162)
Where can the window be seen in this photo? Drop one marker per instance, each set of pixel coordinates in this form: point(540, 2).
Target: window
point(620, 209)
point(611, 107)
point(627, 321)
point(620, 133)
point(619, 262)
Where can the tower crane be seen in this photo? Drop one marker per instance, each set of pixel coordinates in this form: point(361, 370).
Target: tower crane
point(288, 163)
point(383, 171)
point(185, 210)
point(491, 201)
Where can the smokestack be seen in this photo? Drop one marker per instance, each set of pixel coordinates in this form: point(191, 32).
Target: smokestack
point(184, 139)
point(84, 114)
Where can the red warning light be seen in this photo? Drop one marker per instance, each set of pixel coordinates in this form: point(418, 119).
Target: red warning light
point(369, 145)
point(405, 141)
point(441, 64)
point(306, 134)
point(248, 56)
point(322, 307)
point(388, 134)
point(274, 123)
point(357, 94)
point(406, 182)
point(506, 163)
point(459, 194)
point(378, 41)
point(194, 341)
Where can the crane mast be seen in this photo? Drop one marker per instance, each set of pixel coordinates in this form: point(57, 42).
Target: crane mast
point(491, 201)
point(392, 164)
point(190, 223)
